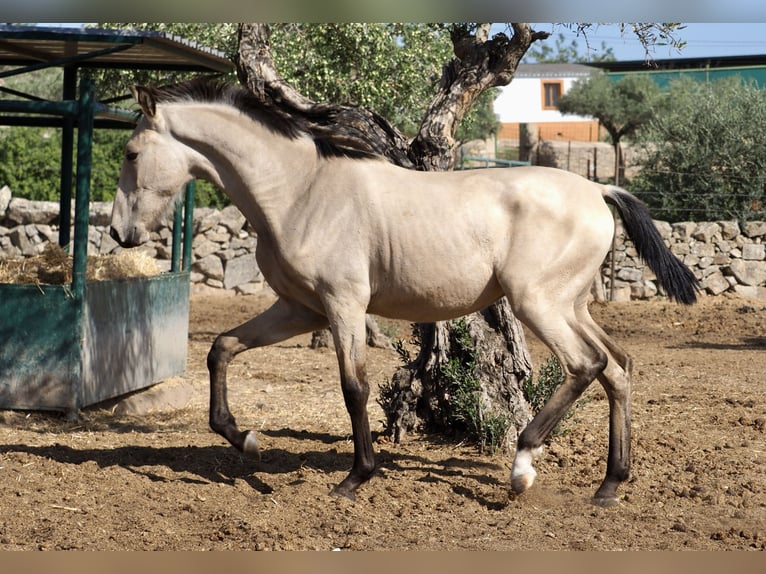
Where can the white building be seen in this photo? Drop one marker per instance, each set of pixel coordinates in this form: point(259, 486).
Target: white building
point(532, 98)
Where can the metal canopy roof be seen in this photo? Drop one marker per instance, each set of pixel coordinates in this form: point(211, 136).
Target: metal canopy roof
point(703, 62)
point(97, 48)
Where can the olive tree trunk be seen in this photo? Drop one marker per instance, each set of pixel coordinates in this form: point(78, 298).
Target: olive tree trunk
point(486, 348)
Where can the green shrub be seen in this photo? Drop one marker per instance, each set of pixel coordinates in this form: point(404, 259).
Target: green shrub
point(30, 165)
point(549, 378)
point(703, 155)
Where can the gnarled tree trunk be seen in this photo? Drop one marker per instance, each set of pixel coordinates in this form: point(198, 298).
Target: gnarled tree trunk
point(500, 360)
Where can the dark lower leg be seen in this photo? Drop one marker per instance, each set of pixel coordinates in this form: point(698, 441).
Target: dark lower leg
point(281, 321)
point(355, 395)
point(221, 419)
point(531, 440)
point(618, 460)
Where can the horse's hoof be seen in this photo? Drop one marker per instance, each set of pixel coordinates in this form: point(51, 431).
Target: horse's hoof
point(606, 501)
point(522, 482)
point(250, 446)
point(522, 472)
point(342, 492)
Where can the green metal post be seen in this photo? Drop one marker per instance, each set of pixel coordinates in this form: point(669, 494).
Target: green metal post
point(175, 253)
point(188, 225)
point(67, 149)
point(86, 109)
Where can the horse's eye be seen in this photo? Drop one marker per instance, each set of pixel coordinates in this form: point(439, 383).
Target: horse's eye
point(131, 155)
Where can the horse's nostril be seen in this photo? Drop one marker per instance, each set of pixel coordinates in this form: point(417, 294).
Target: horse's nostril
point(116, 236)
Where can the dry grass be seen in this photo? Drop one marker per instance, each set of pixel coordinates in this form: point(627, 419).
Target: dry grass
point(54, 267)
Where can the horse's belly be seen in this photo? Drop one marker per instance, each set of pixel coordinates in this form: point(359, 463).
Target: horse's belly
point(434, 302)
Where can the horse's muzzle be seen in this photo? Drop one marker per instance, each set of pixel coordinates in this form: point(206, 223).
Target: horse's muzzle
point(126, 243)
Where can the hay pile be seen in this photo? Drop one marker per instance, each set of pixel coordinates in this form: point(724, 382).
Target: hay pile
point(54, 267)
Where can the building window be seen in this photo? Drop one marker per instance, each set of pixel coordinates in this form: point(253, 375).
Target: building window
point(551, 93)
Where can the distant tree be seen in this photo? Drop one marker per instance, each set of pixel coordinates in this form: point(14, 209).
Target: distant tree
point(622, 107)
point(703, 157)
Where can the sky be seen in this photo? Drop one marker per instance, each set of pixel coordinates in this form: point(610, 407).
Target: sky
point(702, 39)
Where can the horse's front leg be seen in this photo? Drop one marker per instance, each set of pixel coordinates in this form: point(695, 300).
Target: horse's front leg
point(348, 328)
point(281, 321)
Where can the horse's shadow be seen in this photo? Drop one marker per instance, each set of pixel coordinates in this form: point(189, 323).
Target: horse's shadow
point(746, 344)
point(223, 464)
point(197, 464)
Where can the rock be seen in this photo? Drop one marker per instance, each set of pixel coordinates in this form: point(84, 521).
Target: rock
point(650, 289)
point(684, 229)
point(755, 228)
point(665, 229)
point(705, 231)
point(240, 270)
point(5, 199)
point(715, 283)
point(203, 247)
point(748, 272)
point(622, 293)
point(729, 229)
point(210, 266)
point(630, 275)
point(205, 218)
point(219, 235)
point(703, 249)
point(232, 219)
point(754, 251)
point(99, 213)
point(24, 211)
point(19, 238)
point(47, 232)
point(249, 288)
point(750, 291)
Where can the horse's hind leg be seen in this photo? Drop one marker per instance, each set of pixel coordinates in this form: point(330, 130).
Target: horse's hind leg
point(281, 321)
point(615, 380)
point(582, 361)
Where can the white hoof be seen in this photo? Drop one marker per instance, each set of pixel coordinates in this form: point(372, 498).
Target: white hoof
point(521, 483)
point(523, 473)
point(250, 446)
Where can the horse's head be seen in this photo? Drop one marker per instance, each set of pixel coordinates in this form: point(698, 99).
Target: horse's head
point(155, 168)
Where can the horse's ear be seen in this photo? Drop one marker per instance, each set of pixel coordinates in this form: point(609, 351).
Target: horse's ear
point(145, 99)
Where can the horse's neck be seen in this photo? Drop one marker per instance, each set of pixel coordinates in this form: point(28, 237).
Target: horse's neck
point(261, 172)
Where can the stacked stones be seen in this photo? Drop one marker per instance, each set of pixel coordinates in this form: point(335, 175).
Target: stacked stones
point(223, 249)
point(724, 256)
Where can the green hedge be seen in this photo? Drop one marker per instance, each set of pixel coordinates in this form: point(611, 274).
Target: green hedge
point(30, 165)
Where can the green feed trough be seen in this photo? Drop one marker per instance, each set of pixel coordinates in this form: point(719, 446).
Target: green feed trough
point(66, 347)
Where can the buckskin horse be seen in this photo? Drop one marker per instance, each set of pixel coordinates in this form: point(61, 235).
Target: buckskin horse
point(342, 233)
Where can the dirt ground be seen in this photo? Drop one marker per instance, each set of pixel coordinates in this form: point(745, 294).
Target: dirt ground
point(163, 481)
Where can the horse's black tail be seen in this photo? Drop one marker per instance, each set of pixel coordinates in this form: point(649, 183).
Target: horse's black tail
point(674, 277)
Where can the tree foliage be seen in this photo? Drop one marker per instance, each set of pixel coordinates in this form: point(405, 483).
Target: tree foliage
point(649, 34)
point(30, 162)
point(622, 107)
point(568, 53)
point(704, 157)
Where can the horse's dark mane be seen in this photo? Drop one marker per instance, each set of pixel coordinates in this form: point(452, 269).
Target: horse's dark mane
point(283, 120)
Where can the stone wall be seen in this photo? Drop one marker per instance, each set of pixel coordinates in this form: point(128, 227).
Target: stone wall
point(725, 257)
point(223, 249)
point(582, 158)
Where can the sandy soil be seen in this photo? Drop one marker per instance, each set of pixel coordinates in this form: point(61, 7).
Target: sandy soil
point(163, 481)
